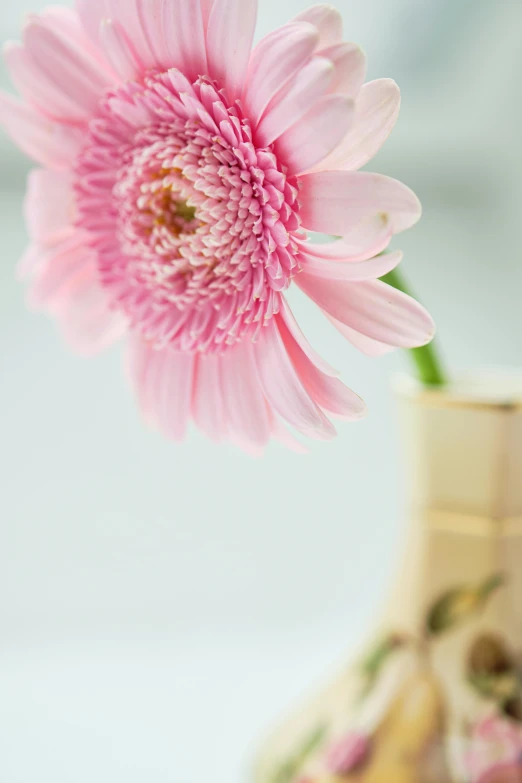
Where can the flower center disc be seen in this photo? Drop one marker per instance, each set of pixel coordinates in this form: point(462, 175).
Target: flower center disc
point(204, 219)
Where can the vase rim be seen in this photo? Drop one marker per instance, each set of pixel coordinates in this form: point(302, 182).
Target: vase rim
point(486, 387)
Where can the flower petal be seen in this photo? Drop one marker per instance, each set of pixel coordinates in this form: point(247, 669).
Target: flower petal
point(298, 336)
point(49, 204)
point(46, 141)
point(133, 16)
point(230, 35)
point(372, 308)
point(91, 12)
point(208, 406)
point(89, 326)
point(376, 112)
point(291, 106)
point(119, 50)
point(328, 393)
point(246, 409)
point(153, 17)
point(142, 20)
point(366, 240)
point(281, 434)
point(328, 22)
point(364, 344)
point(66, 69)
point(61, 273)
point(276, 60)
point(350, 68)
point(351, 271)
point(184, 34)
point(67, 284)
point(313, 138)
point(36, 88)
point(206, 8)
point(69, 24)
point(335, 202)
point(163, 381)
point(283, 389)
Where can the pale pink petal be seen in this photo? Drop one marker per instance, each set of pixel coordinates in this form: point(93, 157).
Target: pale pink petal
point(30, 263)
point(364, 344)
point(65, 266)
point(291, 106)
point(140, 19)
point(351, 271)
point(184, 32)
point(174, 394)
point(45, 140)
point(376, 112)
point(138, 359)
point(283, 436)
point(63, 65)
point(163, 381)
point(316, 134)
point(246, 409)
point(350, 68)
point(92, 327)
point(328, 22)
point(69, 24)
point(36, 88)
point(328, 393)
point(49, 204)
point(208, 406)
point(276, 60)
point(335, 202)
point(83, 311)
point(133, 15)
point(206, 8)
point(154, 23)
point(119, 50)
point(91, 13)
point(230, 35)
point(67, 21)
point(283, 389)
point(366, 240)
point(295, 330)
point(372, 308)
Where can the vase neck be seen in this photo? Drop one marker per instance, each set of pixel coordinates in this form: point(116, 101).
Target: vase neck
point(463, 465)
point(464, 501)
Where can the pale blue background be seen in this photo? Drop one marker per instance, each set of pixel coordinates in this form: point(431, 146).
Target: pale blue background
point(161, 604)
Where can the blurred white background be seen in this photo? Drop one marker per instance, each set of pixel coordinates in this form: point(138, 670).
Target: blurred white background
point(160, 605)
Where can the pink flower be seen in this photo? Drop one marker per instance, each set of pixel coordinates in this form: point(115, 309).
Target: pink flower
point(349, 753)
point(496, 746)
point(181, 172)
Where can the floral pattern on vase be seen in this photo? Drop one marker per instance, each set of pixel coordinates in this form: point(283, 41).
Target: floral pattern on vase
point(405, 739)
point(495, 750)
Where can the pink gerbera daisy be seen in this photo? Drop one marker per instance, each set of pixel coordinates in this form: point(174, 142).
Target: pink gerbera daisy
point(181, 173)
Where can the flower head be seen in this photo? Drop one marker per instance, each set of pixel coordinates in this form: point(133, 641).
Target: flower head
point(182, 170)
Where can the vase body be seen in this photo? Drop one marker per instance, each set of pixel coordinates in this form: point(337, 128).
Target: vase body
point(436, 695)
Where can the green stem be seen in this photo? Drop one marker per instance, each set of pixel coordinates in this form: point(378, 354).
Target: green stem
point(429, 367)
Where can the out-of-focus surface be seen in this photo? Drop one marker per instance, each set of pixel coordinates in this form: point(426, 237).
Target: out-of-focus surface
point(161, 604)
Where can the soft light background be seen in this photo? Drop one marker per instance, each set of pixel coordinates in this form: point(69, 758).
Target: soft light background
point(160, 605)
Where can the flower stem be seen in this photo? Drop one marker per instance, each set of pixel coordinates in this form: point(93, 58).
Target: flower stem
point(429, 367)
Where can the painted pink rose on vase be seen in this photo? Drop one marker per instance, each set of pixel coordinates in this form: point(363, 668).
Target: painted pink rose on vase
point(349, 753)
point(181, 170)
point(495, 754)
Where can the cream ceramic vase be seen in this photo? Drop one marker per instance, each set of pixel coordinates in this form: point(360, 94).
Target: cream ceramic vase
point(436, 697)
